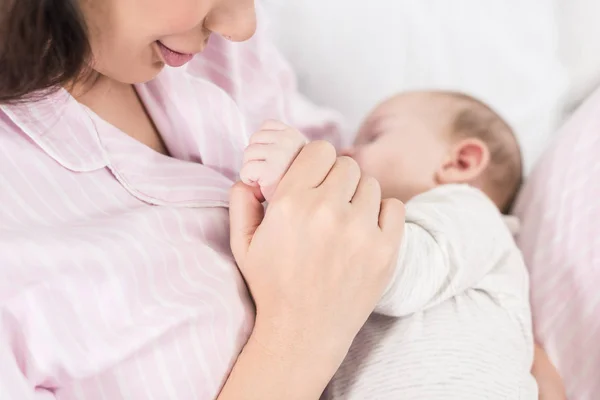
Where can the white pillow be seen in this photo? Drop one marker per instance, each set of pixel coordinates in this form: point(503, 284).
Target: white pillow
point(351, 54)
point(580, 47)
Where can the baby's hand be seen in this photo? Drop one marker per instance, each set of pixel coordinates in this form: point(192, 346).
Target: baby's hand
point(271, 152)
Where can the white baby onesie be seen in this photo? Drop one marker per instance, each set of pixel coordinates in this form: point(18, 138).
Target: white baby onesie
point(455, 322)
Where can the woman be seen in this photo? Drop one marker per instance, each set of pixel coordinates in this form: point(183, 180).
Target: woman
point(118, 280)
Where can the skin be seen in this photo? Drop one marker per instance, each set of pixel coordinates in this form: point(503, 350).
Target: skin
point(302, 327)
point(549, 381)
point(405, 142)
point(406, 145)
point(302, 330)
point(124, 32)
point(123, 36)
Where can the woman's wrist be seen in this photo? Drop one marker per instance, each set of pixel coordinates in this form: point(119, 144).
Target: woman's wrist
point(300, 345)
point(279, 363)
point(309, 339)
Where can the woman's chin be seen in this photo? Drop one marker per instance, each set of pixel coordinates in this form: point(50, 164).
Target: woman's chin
point(148, 73)
point(128, 75)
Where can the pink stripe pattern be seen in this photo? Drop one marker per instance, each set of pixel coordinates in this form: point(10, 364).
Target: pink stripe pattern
point(560, 239)
point(116, 277)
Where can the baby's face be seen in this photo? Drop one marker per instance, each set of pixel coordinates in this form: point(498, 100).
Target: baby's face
point(404, 142)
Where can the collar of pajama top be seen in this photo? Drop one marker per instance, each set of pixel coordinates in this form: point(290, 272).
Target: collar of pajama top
point(185, 110)
point(117, 279)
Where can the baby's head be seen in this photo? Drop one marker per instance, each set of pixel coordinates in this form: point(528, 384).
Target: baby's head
point(417, 141)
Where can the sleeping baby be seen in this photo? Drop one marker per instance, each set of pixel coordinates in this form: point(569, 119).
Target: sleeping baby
point(455, 321)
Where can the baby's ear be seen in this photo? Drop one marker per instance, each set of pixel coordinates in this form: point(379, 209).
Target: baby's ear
point(465, 162)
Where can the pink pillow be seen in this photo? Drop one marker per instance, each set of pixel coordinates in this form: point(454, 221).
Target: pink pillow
point(560, 238)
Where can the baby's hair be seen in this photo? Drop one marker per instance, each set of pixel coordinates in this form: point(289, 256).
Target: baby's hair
point(43, 46)
point(505, 172)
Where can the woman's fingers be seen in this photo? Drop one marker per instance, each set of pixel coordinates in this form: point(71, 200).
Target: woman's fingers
point(342, 180)
point(368, 198)
point(391, 219)
point(310, 168)
point(245, 214)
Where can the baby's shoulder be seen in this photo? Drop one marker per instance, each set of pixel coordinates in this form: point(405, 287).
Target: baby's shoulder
point(456, 203)
point(458, 195)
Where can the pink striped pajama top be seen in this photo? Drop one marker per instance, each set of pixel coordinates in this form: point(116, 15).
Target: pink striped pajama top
point(117, 280)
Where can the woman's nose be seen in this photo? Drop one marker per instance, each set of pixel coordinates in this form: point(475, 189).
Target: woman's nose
point(235, 20)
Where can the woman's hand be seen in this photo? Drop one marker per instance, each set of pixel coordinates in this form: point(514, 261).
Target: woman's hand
point(549, 382)
point(316, 265)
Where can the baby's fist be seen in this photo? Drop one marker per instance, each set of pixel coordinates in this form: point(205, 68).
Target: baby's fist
point(271, 152)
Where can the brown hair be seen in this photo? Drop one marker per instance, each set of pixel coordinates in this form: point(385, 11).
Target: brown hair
point(43, 45)
point(505, 172)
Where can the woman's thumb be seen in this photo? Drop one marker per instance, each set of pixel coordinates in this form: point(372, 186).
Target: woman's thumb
point(245, 215)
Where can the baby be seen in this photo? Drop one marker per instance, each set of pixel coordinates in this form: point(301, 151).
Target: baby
point(455, 321)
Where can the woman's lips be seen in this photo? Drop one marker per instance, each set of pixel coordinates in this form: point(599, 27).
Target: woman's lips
point(173, 58)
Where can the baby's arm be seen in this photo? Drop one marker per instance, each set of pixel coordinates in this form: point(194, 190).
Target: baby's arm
point(271, 152)
point(454, 237)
